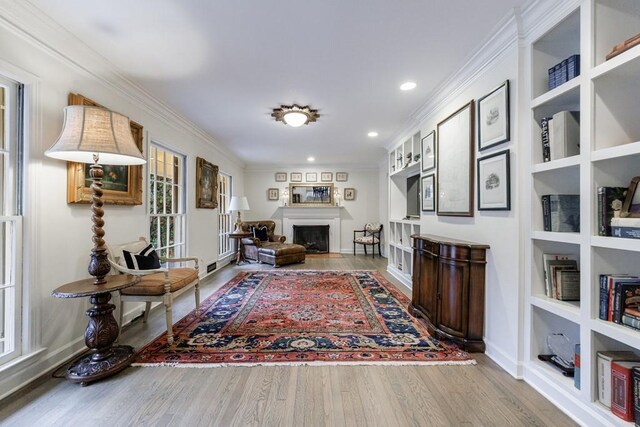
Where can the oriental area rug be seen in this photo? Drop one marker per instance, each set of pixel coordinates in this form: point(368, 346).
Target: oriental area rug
point(301, 317)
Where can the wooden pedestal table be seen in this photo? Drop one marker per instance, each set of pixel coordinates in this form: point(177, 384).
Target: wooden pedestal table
point(238, 238)
point(102, 330)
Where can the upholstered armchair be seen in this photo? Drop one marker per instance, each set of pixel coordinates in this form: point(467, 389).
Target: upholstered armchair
point(156, 284)
point(370, 236)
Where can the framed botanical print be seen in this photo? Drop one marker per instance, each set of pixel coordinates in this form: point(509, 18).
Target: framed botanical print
point(494, 182)
point(206, 184)
point(428, 191)
point(273, 194)
point(121, 185)
point(281, 177)
point(342, 176)
point(428, 148)
point(295, 177)
point(349, 193)
point(311, 177)
point(493, 117)
point(326, 176)
point(455, 158)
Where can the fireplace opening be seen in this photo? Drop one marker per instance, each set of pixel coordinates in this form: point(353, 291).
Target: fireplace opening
point(314, 238)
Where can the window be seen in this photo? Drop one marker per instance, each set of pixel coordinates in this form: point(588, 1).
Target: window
point(10, 220)
point(224, 217)
point(167, 217)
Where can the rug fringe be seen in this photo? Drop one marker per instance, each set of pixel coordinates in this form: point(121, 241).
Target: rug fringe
point(314, 363)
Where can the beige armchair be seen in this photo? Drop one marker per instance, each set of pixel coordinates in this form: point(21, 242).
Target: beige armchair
point(160, 284)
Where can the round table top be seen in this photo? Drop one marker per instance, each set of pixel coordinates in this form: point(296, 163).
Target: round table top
point(85, 287)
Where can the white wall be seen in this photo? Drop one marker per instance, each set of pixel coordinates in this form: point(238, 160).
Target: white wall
point(58, 235)
point(354, 214)
point(499, 229)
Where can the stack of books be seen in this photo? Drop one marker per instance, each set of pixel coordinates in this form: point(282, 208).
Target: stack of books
point(619, 383)
point(560, 135)
point(564, 71)
point(561, 212)
point(620, 299)
point(625, 227)
point(561, 277)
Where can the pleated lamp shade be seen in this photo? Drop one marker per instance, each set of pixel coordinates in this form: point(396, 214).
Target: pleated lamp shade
point(89, 131)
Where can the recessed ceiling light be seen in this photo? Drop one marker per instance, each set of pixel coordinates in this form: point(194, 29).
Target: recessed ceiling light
point(311, 159)
point(372, 134)
point(408, 86)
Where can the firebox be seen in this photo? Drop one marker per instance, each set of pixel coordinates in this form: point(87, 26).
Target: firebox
point(315, 238)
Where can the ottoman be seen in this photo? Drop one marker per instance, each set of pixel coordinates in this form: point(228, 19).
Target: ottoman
point(278, 254)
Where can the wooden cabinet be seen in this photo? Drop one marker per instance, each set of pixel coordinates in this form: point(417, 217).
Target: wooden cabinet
point(448, 288)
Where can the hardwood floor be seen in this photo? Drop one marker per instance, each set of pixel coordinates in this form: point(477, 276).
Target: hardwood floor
point(480, 395)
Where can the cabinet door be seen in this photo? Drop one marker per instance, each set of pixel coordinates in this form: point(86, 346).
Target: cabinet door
point(453, 313)
point(426, 292)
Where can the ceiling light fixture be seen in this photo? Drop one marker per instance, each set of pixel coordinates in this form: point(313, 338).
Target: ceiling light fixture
point(311, 159)
point(295, 115)
point(372, 134)
point(408, 86)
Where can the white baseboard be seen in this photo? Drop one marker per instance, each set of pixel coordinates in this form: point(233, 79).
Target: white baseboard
point(513, 367)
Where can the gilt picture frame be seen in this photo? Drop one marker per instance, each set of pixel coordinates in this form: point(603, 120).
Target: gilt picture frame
point(493, 117)
point(121, 185)
point(455, 159)
point(494, 182)
point(206, 184)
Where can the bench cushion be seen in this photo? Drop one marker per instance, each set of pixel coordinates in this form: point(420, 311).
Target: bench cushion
point(153, 284)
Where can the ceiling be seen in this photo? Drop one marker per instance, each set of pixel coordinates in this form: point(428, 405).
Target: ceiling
point(225, 64)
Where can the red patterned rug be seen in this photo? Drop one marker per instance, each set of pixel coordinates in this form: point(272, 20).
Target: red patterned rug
point(302, 317)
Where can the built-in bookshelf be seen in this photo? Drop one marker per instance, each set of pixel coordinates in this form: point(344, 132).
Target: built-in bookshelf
point(404, 162)
point(607, 95)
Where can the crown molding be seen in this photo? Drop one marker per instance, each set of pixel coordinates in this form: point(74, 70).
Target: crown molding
point(540, 15)
point(31, 24)
point(272, 167)
point(504, 36)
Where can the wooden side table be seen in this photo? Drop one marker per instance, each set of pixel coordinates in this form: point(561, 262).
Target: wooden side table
point(239, 245)
point(102, 330)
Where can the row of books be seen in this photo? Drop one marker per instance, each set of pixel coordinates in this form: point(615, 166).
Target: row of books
point(619, 383)
point(560, 135)
point(561, 277)
point(620, 299)
point(564, 71)
point(561, 212)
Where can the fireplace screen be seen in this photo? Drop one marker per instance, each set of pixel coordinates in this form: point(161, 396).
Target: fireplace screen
point(315, 238)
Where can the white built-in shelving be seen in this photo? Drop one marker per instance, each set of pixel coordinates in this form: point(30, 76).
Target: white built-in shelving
point(404, 162)
point(607, 94)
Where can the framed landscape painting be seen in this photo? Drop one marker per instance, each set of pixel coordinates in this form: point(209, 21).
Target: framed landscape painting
point(455, 159)
point(493, 117)
point(206, 184)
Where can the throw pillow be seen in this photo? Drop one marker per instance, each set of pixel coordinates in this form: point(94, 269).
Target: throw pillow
point(261, 233)
point(146, 259)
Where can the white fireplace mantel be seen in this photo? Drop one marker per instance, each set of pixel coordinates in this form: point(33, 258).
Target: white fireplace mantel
point(313, 216)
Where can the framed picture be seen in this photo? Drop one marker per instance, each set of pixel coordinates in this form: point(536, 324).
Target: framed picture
point(206, 184)
point(455, 159)
point(428, 149)
point(349, 193)
point(326, 176)
point(273, 194)
point(121, 185)
point(311, 177)
point(281, 177)
point(493, 117)
point(295, 177)
point(428, 193)
point(494, 182)
point(342, 176)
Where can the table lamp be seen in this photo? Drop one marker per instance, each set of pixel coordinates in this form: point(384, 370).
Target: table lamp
point(238, 204)
point(100, 137)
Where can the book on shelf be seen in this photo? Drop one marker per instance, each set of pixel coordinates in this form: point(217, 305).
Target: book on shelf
point(635, 374)
point(564, 71)
point(631, 321)
point(548, 260)
point(610, 200)
point(561, 212)
point(626, 295)
point(546, 149)
point(573, 67)
point(576, 366)
point(625, 232)
point(604, 360)
point(608, 285)
point(564, 133)
point(555, 268)
point(622, 388)
point(568, 285)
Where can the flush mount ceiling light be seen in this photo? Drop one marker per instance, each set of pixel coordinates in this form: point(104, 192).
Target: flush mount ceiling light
point(408, 86)
point(372, 134)
point(295, 115)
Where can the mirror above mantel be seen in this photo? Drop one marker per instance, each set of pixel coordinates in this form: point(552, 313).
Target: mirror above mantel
point(311, 195)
